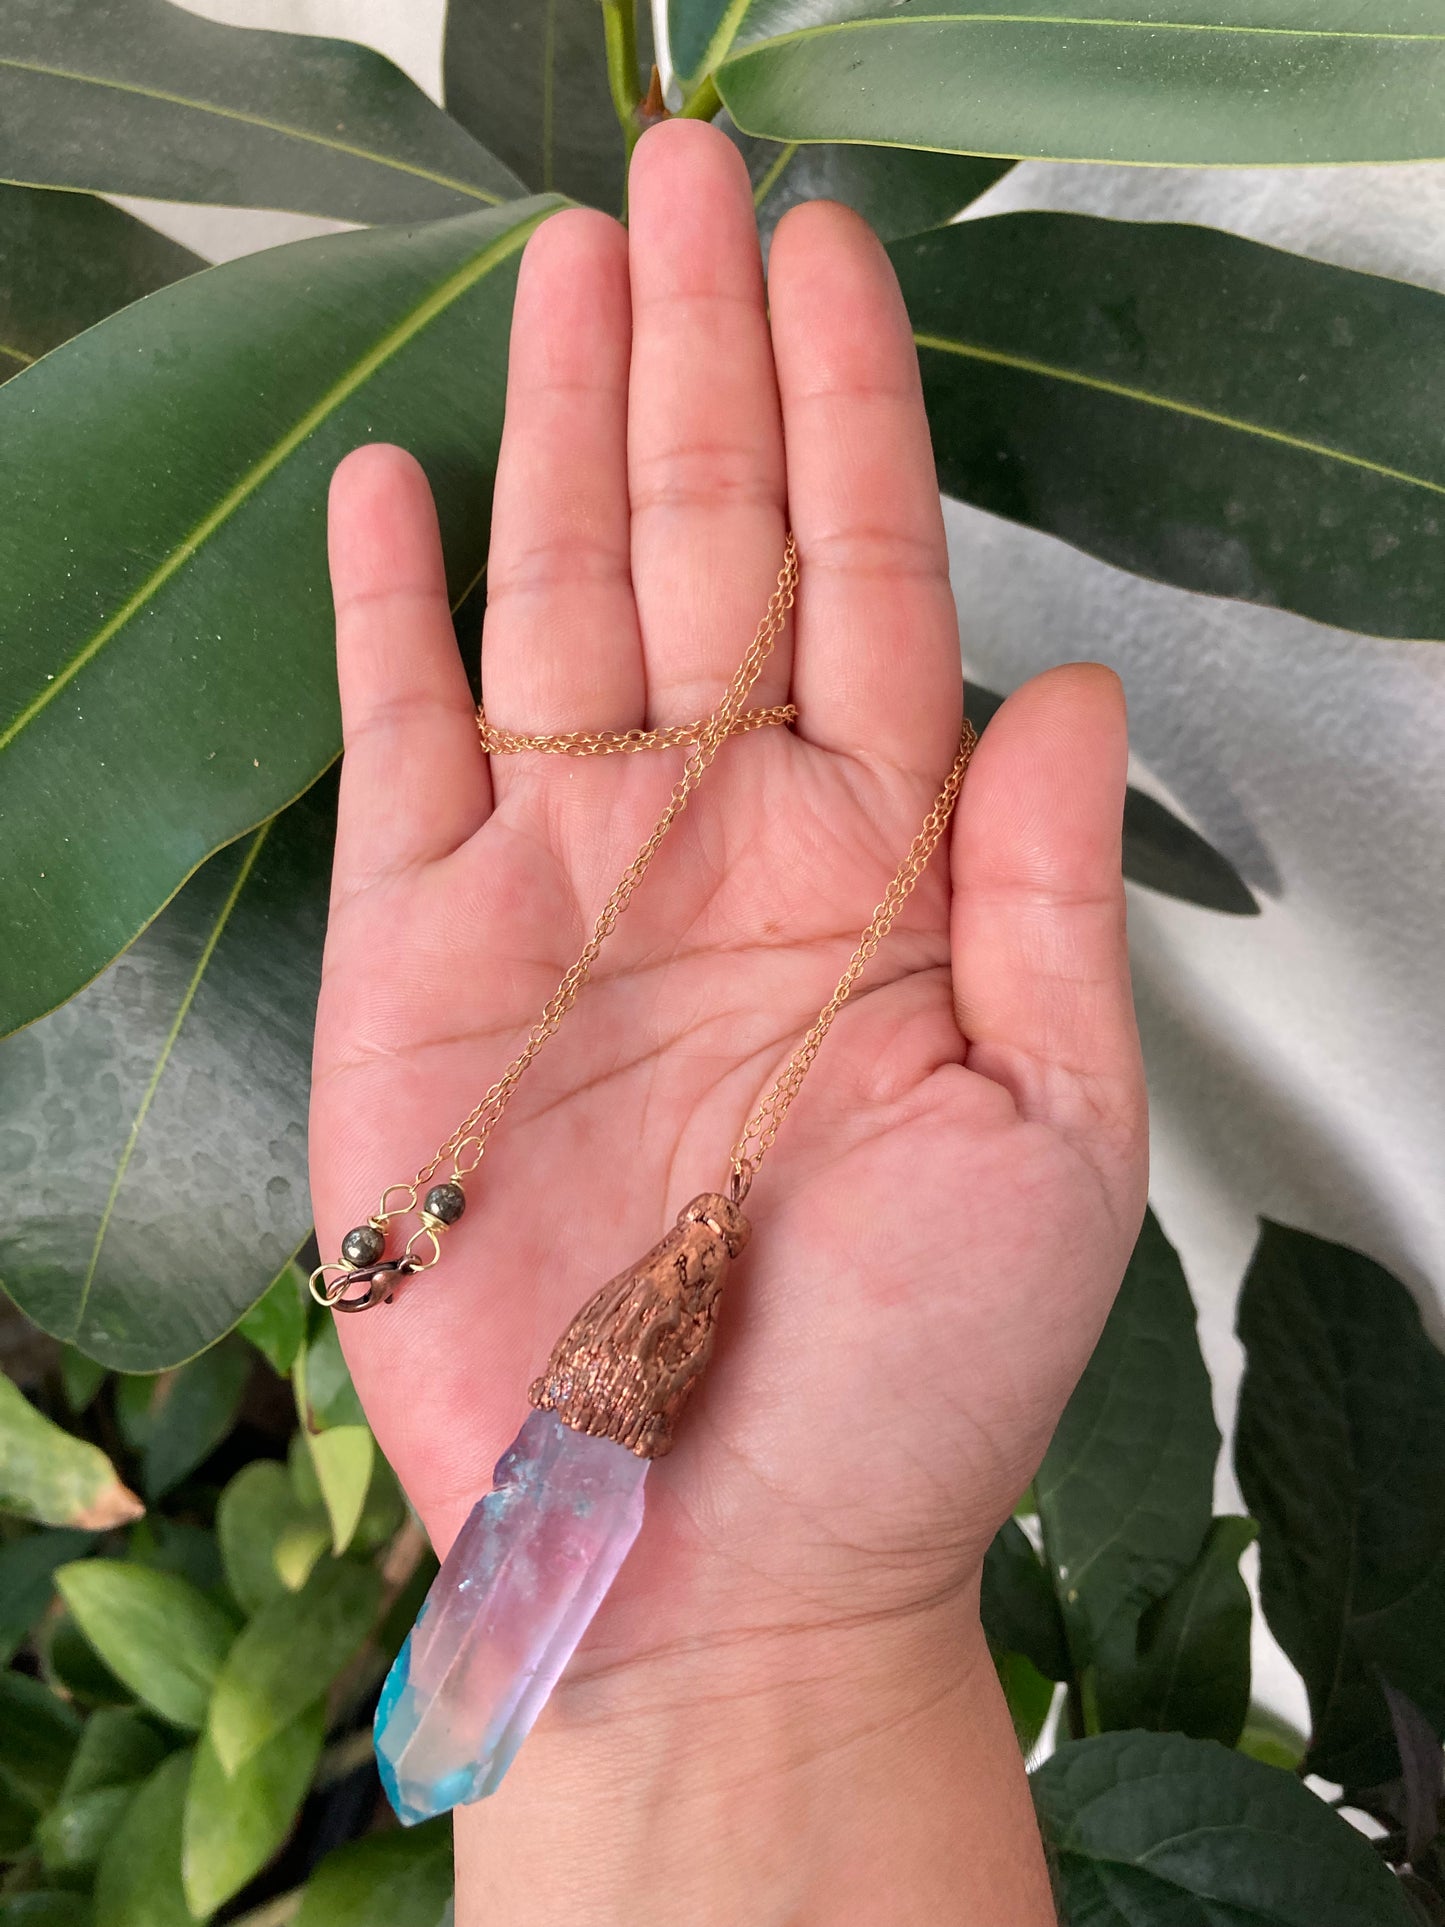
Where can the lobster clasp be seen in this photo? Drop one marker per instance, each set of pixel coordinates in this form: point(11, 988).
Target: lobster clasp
point(379, 1282)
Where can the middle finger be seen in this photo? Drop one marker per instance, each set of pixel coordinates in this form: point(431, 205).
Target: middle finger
point(705, 445)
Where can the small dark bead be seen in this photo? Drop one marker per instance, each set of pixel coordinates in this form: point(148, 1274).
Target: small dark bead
point(445, 1201)
point(363, 1246)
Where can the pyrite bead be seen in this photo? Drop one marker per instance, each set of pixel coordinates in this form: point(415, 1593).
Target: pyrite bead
point(363, 1245)
point(446, 1202)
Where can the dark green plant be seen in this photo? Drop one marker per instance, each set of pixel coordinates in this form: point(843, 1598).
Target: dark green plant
point(1187, 404)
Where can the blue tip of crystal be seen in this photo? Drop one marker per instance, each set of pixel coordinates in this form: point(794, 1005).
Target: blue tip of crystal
point(504, 1615)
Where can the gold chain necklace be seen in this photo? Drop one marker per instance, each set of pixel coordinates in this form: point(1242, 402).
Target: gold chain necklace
point(540, 1550)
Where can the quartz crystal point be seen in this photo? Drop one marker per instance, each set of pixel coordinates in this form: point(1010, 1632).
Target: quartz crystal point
point(517, 1591)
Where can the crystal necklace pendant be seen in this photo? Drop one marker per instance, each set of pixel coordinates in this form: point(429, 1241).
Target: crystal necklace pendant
point(540, 1551)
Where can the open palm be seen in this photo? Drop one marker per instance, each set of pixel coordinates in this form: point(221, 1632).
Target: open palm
point(938, 1234)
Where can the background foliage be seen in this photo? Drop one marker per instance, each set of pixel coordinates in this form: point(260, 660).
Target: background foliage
point(204, 1565)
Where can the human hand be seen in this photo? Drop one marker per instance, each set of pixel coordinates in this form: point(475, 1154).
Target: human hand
point(939, 1232)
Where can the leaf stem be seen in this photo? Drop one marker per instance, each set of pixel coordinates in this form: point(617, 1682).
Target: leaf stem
point(703, 103)
point(619, 25)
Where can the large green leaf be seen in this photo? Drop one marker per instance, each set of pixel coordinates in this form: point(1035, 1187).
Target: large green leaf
point(1260, 83)
point(233, 1825)
point(1156, 1828)
point(1126, 1486)
point(1161, 850)
point(1191, 1671)
point(52, 1477)
point(288, 1655)
point(154, 1140)
point(154, 1630)
point(168, 667)
point(403, 1879)
point(1340, 1450)
point(140, 97)
point(1194, 407)
point(529, 77)
point(699, 33)
point(69, 260)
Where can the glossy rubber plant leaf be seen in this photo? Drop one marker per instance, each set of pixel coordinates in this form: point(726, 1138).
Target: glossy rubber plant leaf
point(154, 1143)
point(1154, 1827)
point(141, 97)
point(699, 34)
point(1126, 1486)
point(233, 1825)
point(69, 260)
point(53, 1478)
point(1190, 1673)
point(404, 1879)
point(529, 78)
point(1340, 1451)
point(1185, 83)
point(155, 1631)
point(896, 189)
point(168, 677)
point(1193, 407)
point(1161, 850)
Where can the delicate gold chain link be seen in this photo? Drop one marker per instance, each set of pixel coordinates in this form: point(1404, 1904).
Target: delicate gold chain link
point(468, 1142)
point(758, 1134)
point(464, 1149)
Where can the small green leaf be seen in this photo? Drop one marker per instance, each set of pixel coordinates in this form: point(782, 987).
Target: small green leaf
point(234, 1825)
point(1126, 1488)
point(138, 1882)
point(119, 1747)
point(192, 1409)
point(1155, 1827)
point(27, 1584)
point(50, 1476)
point(325, 1395)
point(154, 1630)
point(343, 1458)
point(1030, 1697)
point(1272, 1740)
point(72, 1668)
point(383, 1513)
point(1191, 1671)
point(1340, 1451)
point(175, 1545)
point(299, 1547)
point(403, 1879)
point(72, 1837)
point(38, 1736)
point(139, 97)
point(67, 261)
point(256, 1509)
point(1020, 1611)
point(80, 1378)
point(276, 1323)
point(288, 1654)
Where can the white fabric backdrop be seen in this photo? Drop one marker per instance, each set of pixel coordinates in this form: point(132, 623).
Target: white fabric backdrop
point(1296, 1060)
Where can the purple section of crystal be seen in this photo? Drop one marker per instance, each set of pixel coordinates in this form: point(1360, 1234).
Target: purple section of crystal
point(504, 1615)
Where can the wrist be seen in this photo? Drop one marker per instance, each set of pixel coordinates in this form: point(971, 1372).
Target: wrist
point(818, 1777)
